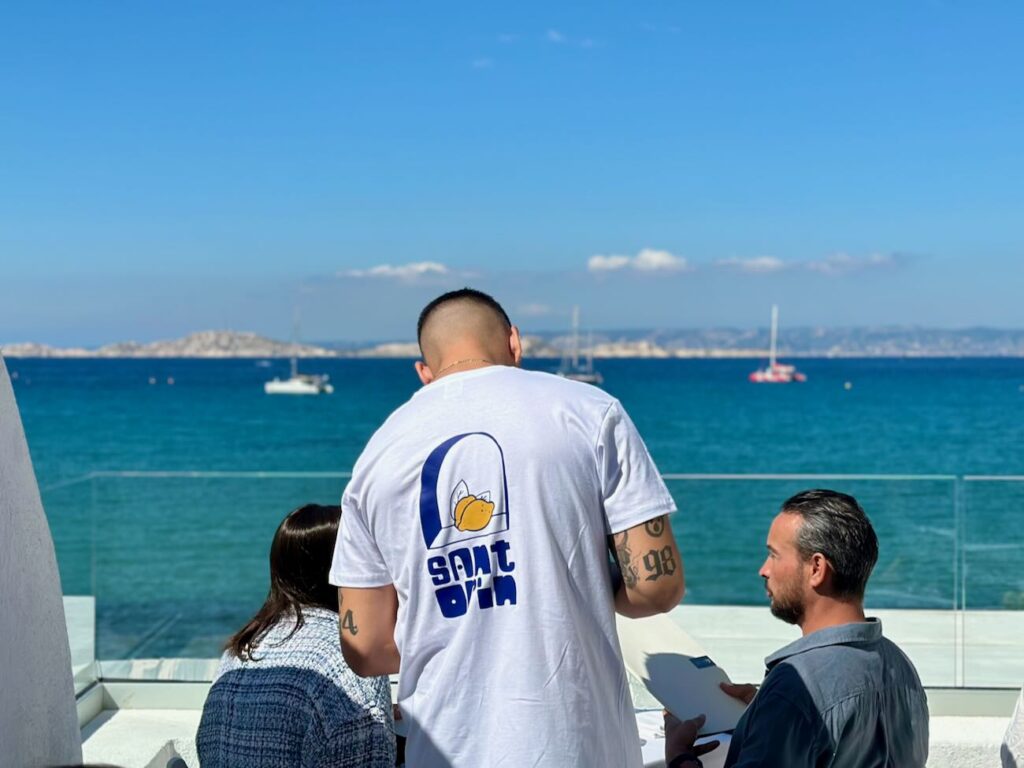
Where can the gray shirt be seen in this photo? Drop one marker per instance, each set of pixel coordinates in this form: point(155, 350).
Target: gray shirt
point(841, 697)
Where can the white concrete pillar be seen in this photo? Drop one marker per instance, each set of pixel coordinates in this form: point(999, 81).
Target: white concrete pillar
point(38, 721)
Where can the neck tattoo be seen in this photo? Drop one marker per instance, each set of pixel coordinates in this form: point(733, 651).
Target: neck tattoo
point(466, 360)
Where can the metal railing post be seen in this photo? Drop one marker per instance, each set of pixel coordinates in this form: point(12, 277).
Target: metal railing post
point(958, 626)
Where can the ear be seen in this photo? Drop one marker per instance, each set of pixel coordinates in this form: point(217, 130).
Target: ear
point(817, 570)
point(515, 346)
point(423, 371)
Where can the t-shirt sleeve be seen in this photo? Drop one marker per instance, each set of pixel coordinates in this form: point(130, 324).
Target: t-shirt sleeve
point(357, 558)
point(631, 487)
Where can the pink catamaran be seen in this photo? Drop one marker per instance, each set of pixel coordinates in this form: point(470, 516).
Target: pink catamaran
point(776, 372)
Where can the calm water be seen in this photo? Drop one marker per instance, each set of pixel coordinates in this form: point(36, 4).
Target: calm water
point(176, 563)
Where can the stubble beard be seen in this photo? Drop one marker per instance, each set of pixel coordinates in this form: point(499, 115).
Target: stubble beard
point(788, 608)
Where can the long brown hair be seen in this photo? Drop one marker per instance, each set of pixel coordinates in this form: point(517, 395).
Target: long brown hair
point(300, 560)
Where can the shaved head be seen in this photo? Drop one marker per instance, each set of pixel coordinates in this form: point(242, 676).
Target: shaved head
point(464, 319)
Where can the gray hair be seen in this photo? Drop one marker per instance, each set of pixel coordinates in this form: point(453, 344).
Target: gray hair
point(834, 525)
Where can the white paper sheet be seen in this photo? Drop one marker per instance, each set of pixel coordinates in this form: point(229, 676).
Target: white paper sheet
point(677, 671)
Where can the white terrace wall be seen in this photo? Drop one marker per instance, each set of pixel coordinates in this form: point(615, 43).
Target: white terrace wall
point(38, 722)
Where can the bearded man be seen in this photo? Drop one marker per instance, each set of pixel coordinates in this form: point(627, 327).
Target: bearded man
point(842, 695)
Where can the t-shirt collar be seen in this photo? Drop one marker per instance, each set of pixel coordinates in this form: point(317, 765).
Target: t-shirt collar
point(866, 631)
point(472, 373)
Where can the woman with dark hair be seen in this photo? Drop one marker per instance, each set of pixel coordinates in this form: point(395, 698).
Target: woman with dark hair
point(283, 695)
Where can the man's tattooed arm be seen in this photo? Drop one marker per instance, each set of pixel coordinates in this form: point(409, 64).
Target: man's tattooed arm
point(652, 571)
point(366, 622)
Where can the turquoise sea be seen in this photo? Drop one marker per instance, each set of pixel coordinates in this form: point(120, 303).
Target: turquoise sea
point(175, 550)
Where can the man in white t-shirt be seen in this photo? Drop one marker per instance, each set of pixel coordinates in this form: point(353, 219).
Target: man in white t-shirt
point(473, 554)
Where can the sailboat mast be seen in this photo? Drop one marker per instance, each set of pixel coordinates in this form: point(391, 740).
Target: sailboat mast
point(295, 341)
point(775, 332)
point(575, 337)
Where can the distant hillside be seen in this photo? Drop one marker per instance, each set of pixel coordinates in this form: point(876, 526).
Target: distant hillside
point(711, 342)
point(883, 341)
point(202, 344)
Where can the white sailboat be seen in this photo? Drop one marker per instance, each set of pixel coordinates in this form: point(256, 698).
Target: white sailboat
point(299, 383)
point(776, 372)
point(571, 367)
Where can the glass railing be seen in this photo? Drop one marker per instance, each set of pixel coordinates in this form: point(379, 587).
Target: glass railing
point(174, 562)
point(990, 591)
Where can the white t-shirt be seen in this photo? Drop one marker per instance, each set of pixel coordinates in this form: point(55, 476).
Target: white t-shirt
point(487, 500)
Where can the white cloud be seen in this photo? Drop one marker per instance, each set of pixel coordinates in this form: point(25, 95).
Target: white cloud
point(756, 264)
point(556, 37)
point(601, 263)
point(843, 263)
point(534, 310)
point(647, 260)
point(483, 63)
point(650, 260)
point(835, 264)
point(409, 271)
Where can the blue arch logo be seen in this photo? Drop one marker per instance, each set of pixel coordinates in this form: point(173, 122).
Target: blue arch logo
point(463, 490)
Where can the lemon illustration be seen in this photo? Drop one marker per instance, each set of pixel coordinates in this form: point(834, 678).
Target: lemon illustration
point(473, 514)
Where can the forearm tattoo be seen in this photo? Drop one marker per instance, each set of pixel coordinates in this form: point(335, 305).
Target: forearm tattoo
point(659, 562)
point(348, 624)
point(655, 527)
point(630, 575)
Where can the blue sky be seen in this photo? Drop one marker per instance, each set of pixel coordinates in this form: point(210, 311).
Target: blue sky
point(171, 167)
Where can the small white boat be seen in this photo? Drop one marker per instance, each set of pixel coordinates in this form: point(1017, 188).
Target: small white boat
point(571, 367)
point(299, 384)
point(303, 384)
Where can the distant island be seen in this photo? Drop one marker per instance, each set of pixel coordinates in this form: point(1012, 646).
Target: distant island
point(700, 343)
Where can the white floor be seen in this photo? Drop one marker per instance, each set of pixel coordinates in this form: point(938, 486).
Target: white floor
point(149, 738)
point(141, 738)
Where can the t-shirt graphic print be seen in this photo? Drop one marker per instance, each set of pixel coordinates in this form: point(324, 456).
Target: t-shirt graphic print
point(463, 501)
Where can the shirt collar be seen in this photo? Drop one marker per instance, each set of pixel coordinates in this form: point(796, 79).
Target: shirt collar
point(866, 631)
point(456, 377)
